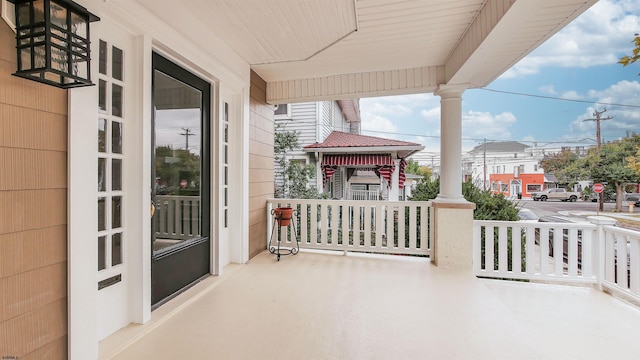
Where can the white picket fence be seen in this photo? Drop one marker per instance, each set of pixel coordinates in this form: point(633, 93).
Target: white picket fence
point(386, 227)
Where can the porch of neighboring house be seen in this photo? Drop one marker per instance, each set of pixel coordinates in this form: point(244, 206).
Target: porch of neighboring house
point(319, 306)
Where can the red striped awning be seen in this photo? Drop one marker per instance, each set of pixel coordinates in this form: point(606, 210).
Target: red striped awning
point(357, 160)
point(402, 177)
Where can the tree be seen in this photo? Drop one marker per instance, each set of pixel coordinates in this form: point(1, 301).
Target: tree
point(627, 60)
point(614, 165)
point(292, 178)
point(562, 165)
point(488, 206)
point(414, 167)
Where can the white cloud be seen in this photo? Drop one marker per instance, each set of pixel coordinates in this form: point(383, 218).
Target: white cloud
point(479, 125)
point(548, 89)
point(377, 123)
point(600, 36)
point(624, 119)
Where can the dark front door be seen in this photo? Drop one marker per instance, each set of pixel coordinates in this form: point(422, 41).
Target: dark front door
point(180, 180)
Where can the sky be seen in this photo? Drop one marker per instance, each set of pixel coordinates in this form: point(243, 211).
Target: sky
point(578, 63)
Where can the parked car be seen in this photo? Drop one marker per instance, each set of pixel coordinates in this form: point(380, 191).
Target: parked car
point(555, 194)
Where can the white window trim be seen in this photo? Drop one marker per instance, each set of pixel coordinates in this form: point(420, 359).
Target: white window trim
point(283, 116)
point(9, 14)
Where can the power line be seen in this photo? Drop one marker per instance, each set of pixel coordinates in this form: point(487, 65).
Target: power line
point(558, 98)
point(568, 141)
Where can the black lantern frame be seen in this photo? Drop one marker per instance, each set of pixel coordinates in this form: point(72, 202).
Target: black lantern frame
point(52, 42)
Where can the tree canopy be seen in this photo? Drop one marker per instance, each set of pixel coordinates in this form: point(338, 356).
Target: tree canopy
point(291, 177)
point(413, 167)
point(488, 206)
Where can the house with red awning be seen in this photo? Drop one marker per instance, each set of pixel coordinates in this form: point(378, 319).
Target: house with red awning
point(360, 167)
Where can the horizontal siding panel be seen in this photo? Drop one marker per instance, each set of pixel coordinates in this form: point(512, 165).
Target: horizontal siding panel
point(32, 169)
point(32, 249)
point(355, 85)
point(32, 209)
point(32, 129)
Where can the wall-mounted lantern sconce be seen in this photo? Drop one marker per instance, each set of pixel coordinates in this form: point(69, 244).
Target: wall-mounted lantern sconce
point(52, 42)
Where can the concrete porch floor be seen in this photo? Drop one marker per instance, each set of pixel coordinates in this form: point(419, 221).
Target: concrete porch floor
point(317, 306)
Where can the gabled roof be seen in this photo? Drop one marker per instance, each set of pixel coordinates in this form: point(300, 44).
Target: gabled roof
point(500, 146)
point(342, 139)
point(342, 142)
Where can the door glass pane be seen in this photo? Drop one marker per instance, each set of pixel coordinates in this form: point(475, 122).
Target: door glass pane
point(102, 135)
point(116, 212)
point(116, 68)
point(177, 121)
point(116, 137)
point(102, 173)
point(116, 100)
point(102, 252)
point(116, 174)
point(101, 214)
point(116, 249)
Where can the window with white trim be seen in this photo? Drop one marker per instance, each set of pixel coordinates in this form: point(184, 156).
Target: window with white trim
point(282, 111)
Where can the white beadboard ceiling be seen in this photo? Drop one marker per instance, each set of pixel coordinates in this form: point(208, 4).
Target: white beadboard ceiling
point(340, 49)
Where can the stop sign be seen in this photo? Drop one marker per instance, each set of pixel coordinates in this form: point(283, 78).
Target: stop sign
point(598, 188)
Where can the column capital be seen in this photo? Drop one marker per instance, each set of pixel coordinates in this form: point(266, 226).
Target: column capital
point(451, 90)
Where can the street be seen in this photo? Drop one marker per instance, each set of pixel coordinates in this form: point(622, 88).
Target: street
point(544, 208)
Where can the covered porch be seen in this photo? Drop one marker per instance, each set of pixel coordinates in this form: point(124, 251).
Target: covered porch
point(319, 306)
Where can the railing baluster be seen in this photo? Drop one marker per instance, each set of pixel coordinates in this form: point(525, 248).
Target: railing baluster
point(402, 243)
point(391, 234)
point(621, 259)
point(413, 225)
point(544, 251)
point(516, 249)
point(335, 224)
point(324, 223)
point(573, 252)
point(503, 245)
point(558, 254)
point(634, 266)
point(488, 248)
point(367, 226)
point(530, 249)
point(380, 231)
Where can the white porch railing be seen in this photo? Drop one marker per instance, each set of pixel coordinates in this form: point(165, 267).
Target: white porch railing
point(365, 194)
point(177, 217)
point(587, 254)
point(366, 226)
point(620, 256)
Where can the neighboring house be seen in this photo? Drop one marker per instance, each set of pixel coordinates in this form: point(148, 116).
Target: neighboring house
point(313, 122)
point(117, 197)
point(336, 124)
point(510, 168)
point(359, 167)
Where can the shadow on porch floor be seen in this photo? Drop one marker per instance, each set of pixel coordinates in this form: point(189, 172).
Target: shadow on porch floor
point(316, 306)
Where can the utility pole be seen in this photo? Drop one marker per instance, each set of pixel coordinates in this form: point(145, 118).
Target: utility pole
point(484, 164)
point(597, 119)
point(187, 132)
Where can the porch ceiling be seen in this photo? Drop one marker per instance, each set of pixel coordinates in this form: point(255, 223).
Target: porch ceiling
point(340, 49)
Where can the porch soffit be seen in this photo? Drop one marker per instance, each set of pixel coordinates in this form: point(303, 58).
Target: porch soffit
point(345, 49)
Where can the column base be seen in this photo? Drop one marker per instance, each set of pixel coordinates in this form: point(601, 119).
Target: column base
point(452, 246)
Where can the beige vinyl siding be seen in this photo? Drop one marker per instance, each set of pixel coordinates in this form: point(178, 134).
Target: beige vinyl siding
point(33, 213)
point(260, 164)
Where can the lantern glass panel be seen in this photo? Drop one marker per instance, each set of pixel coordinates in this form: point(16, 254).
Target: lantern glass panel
point(59, 58)
point(58, 15)
point(78, 25)
point(39, 58)
point(25, 59)
point(80, 67)
point(38, 11)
